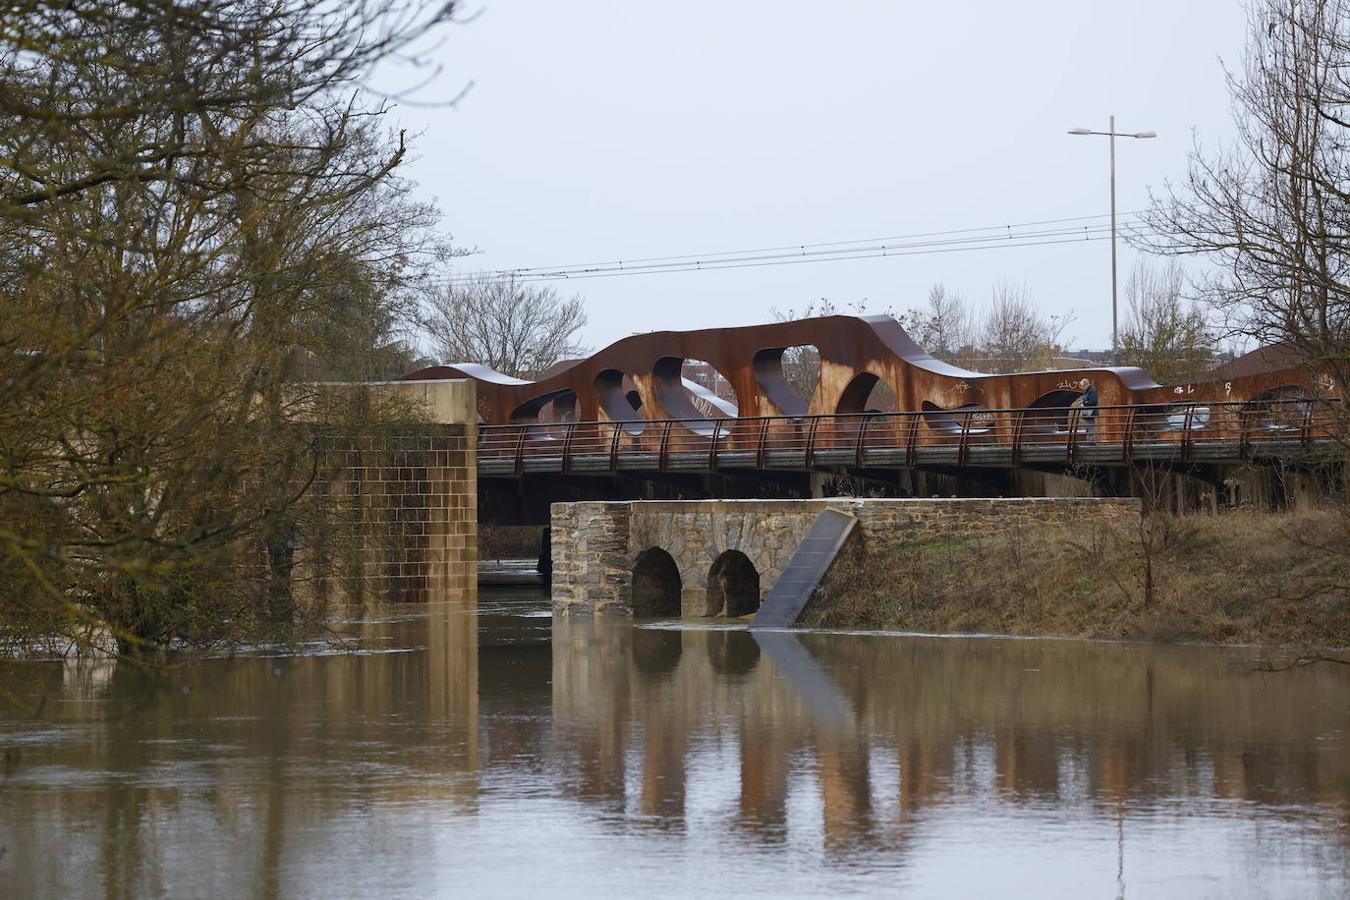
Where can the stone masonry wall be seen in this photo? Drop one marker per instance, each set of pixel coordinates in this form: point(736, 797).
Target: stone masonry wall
point(595, 544)
point(402, 524)
point(399, 513)
point(592, 559)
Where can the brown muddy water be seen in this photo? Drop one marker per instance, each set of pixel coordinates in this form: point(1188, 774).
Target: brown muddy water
point(504, 753)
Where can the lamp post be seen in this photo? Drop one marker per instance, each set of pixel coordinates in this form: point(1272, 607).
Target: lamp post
point(1112, 134)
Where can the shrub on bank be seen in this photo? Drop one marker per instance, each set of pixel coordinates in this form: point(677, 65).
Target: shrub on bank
point(496, 542)
point(1236, 577)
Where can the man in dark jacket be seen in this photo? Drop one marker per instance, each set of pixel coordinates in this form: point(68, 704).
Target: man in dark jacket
point(1089, 410)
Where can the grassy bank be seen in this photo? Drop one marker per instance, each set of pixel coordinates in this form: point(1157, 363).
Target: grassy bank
point(1235, 577)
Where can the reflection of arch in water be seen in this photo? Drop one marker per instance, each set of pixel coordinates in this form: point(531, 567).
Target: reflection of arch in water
point(732, 652)
point(656, 651)
point(952, 421)
point(656, 584)
point(619, 401)
point(733, 585)
point(788, 376)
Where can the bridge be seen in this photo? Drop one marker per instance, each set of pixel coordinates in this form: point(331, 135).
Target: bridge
point(1289, 431)
point(778, 410)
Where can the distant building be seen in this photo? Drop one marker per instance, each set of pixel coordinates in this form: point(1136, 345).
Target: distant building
point(704, 375)
point(1082, 359)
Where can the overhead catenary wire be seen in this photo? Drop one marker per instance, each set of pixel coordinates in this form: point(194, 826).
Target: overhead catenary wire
point(954, 240)
point(712, 267)
point(868, 240)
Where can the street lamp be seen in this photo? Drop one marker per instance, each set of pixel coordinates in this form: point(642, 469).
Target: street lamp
point(1113, 134)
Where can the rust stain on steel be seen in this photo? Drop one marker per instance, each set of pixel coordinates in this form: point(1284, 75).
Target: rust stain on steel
point(855, 352)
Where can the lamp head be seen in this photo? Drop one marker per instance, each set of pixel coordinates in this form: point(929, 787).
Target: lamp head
point(1080, 131)
point(1145, 134)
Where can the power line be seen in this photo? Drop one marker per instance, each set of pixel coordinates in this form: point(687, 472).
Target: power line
point(798, 261)
point(990, 237)
point(896, 237)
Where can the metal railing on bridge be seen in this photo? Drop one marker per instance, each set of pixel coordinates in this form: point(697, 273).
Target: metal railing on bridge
point(965, 436)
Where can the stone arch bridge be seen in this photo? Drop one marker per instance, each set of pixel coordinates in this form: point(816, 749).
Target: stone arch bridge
point(721, 558)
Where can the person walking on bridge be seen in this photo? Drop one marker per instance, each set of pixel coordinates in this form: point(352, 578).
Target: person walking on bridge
point(1089, 399)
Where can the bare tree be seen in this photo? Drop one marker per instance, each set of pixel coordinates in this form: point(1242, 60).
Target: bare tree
point(943, 326)
point(196, 203)
point(827, 307)
point(1014, 335)
point(516, 328)
point(1273, 210)
point(1163, 333)
point(801, 364)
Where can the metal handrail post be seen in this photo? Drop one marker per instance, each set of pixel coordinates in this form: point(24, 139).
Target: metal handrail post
point(761, 452)
point(912, 441)
point(861, 450)
point(665, 446)
point(810, 456)
point(520, 451)
point(568, 431)
point(1071, 444)
point(963, 448)
point(614, 446)
point(1127, 441)
point(1186, 433)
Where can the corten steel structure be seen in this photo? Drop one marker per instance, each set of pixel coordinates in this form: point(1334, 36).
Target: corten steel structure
point(629, 407)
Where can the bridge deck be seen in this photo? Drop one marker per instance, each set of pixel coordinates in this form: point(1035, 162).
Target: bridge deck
point(1215, 433)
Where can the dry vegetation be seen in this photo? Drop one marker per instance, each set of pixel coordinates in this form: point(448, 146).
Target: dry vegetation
point(1237, 577)
point(497, 542)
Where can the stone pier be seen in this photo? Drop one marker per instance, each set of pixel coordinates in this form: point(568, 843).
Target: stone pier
point(401, 518)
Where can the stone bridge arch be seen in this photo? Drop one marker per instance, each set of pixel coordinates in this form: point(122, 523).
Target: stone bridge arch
point(657, 585)
point(733, 588)
point(728, 553)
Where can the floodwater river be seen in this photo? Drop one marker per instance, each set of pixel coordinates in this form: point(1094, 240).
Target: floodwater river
point(500, 752)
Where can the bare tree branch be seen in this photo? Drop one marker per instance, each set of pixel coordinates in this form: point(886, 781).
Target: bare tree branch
point(514, 328)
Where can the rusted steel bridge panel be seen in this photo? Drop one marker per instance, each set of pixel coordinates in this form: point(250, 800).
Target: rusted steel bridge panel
point(639, 378)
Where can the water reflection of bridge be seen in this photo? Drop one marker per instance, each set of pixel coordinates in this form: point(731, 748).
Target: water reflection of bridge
point(646, 749)
point(870, 732)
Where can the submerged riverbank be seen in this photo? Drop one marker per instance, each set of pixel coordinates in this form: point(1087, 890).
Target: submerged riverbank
point(1236, 577)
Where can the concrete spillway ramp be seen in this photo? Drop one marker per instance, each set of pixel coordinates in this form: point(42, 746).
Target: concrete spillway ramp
point(808, 566)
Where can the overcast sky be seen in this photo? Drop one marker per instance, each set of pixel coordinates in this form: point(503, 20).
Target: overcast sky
point(611, 129)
